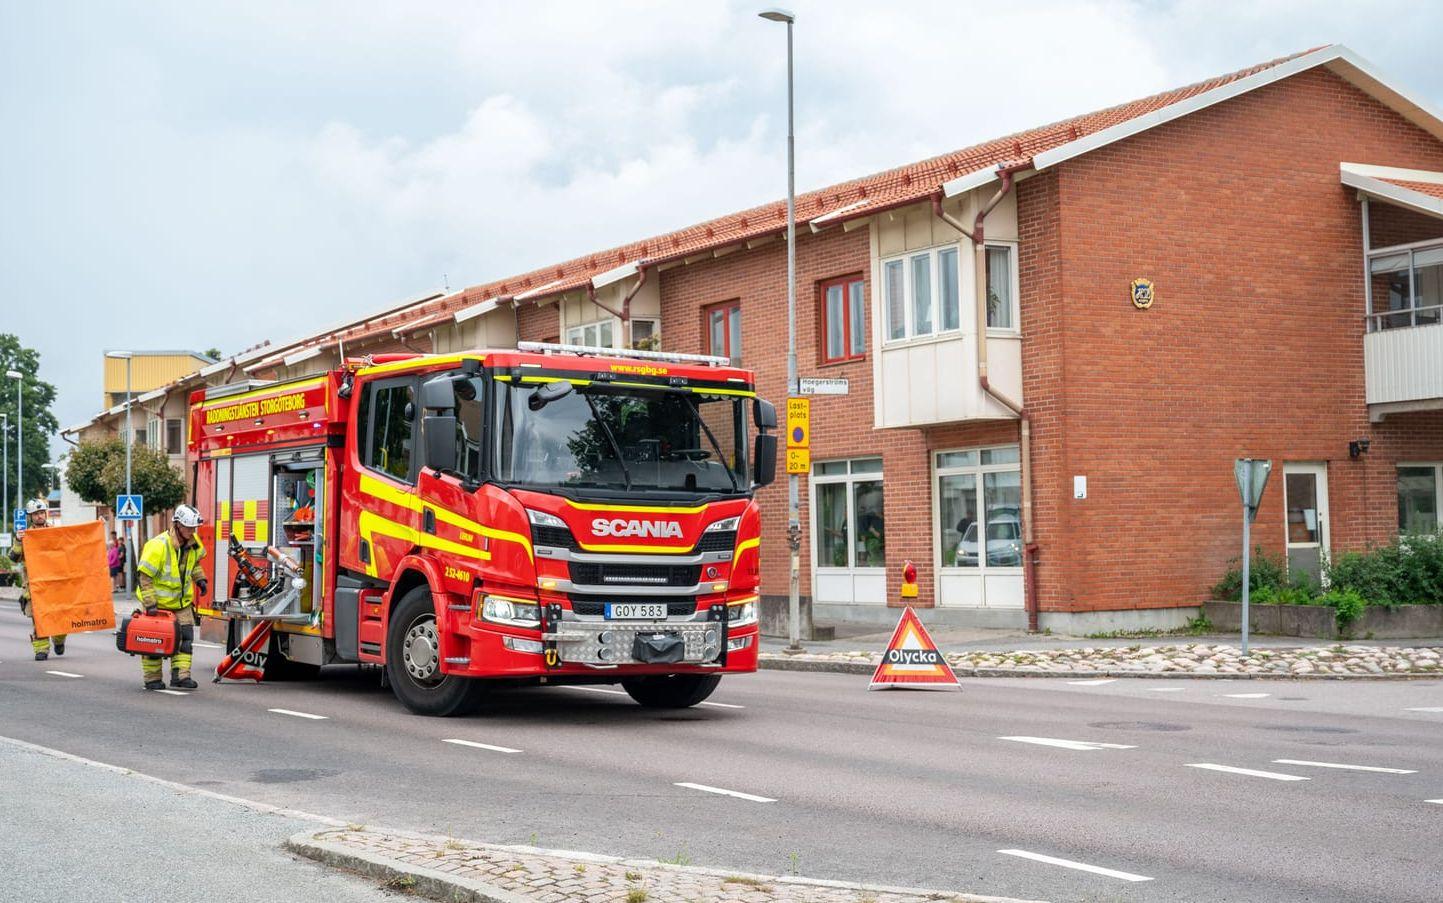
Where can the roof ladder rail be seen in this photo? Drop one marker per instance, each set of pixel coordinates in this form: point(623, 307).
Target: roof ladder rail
point(668, 356)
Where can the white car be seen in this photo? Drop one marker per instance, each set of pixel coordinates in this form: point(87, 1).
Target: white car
point(1004, 543)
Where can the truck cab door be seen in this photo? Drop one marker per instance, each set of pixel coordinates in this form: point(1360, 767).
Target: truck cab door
point(381, 514)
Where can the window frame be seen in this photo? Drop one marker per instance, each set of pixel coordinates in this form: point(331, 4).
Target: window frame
point(979, 471)
point(734, 355)
point(363, 447)
point(1437, 468)
point(179, 447)
point(614, 322)
point(909, 294)
point(1011, 247)
point(846, 282)
point(655, 331)
point(851, 478)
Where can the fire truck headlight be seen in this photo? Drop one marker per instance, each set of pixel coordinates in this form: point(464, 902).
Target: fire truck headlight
point(510, 612)
point(742, 614)
point(542, 519)
point(722, 526)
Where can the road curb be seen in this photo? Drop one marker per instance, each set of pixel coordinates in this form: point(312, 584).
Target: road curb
point(451, 888)
point(772, 661)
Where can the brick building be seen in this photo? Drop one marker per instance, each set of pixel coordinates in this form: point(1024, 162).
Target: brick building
point(1249, 266)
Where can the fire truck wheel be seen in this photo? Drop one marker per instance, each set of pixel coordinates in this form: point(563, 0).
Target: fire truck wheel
point(413, 662)
point(671, 691)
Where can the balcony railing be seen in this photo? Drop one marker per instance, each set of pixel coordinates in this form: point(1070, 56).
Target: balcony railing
point(1403, 362)
point(1428, 315)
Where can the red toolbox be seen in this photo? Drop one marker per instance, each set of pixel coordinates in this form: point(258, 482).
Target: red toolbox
point(143, 634)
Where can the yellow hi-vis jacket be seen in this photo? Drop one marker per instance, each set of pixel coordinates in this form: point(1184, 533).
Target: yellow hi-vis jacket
point(172, 572)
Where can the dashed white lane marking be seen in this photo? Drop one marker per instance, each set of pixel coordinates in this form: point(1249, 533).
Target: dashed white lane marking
point(1440, 802)
point(597, 690)
point(1247, 695)
point(1080, 866)
point(173, 692)
point(1165, 689)
point(1276, 776)
point(207, 645)
point(298, 714)
point(722, 705)
point(64, 674)
point(1345, 767)
point(1432, 708)
point(736, 793)
point(1080, 745)
point(1094, 682)
point(474, 745)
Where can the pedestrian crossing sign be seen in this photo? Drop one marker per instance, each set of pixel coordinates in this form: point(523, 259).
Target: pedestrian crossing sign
point(912, 659)
point(129, 507)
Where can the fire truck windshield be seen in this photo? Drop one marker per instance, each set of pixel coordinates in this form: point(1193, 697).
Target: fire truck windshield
point(628, 439)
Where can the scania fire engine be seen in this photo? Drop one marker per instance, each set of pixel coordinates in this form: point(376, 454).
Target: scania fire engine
point(549, 514)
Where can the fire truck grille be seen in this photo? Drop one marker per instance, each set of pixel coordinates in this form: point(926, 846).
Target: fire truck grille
point(717, 542)
point(596, 605)
point(587, 574)
point(556, 537)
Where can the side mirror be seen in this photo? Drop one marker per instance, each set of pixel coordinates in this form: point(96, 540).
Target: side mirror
point(764, 459)
point(439, 433)
point(549, 392)
point(764, 414)
point(438, 393)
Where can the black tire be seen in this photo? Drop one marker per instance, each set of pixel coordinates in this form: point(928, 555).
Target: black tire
point(671, 691)
point(416, 680)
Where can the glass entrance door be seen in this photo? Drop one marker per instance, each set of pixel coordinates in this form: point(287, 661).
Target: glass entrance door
point(1305, 503)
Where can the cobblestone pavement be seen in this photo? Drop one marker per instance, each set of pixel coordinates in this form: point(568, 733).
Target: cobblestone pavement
point(1190, 660)
point(449, 869)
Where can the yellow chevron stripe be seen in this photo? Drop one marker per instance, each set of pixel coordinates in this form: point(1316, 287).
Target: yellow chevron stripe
point(370, 523)
point(643, 509)
point(742, 547)
point(388, 493)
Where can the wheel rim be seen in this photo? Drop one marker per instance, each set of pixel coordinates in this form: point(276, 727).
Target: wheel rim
point(420, 652)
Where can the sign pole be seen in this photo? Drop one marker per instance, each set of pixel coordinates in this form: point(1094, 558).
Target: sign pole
point(1247, 478)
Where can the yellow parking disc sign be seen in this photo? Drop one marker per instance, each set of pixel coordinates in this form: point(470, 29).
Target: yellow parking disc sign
point(799, 460)
point(799, 435)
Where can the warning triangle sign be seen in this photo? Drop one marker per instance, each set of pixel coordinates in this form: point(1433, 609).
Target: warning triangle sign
point(128, 509)
point(913, 660)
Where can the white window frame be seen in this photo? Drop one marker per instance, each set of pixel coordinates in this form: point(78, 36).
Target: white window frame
point(909, 295)
point(1437, 486)
point(655, 327)
point(1016, 327)
point(977, 470)
point(851, 478)
point(154, 432)
point(576, 333)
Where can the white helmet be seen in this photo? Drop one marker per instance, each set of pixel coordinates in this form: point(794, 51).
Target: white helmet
point(35, 505)
point(186, 516)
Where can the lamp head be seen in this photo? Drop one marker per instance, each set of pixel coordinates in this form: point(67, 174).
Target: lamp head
point(778, 15)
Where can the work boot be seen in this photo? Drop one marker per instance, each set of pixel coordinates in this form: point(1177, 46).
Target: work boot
point(41, 656)
point(59, 648)
point(156, 684)
point(183, 683)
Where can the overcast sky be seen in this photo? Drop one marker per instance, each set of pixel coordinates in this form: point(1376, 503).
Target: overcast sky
point(188, 175)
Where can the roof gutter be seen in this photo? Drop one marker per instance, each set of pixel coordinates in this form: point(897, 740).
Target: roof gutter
point(642, 266)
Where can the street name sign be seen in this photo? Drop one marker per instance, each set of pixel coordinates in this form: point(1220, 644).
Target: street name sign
point(129, 507)
point(822, 385)
point(912, 660)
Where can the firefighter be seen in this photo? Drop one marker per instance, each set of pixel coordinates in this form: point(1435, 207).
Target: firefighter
point(36, 513)
point(169, 578)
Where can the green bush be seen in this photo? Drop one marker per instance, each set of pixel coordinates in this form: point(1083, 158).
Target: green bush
point(1347, 606)
point(1407, 571)
point(1265, 572)
point(1297, 594)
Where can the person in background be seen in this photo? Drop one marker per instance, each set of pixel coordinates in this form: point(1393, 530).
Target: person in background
point(115, 559)
point(36, 512)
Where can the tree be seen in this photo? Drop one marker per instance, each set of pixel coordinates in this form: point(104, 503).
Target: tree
point(97, 473)
point(39, 423)
point(213, 353)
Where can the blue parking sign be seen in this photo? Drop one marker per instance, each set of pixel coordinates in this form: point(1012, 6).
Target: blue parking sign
point(20, 520)
point(129, 507)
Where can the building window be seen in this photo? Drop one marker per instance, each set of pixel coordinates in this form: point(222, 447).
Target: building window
point(849, 514)
point(921, 296)
point(724, 330)
point(387, 413)
point(1406, 288)
point(646, 335)
point(152, 433)
point(1001, 287)
point(844, 315)
point(979, 508)
point(1420, 497)
point(174, 436)
point(601, 334)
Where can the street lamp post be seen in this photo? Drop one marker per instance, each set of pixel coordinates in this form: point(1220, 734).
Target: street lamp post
point(19, 434)
point(794, 523)
point(5, 473)
point(129, 440)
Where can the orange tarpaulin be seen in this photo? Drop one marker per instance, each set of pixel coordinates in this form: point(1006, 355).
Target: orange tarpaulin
point(65, 568)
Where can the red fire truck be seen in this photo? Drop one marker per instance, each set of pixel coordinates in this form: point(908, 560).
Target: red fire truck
point(550, 514)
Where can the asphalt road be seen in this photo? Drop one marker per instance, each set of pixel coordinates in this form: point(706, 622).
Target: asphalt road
point(912, 788)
